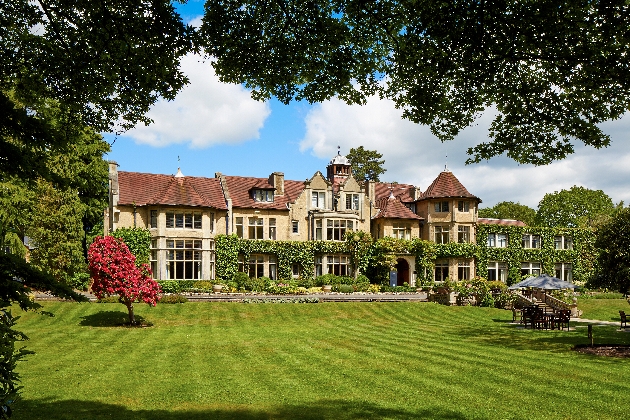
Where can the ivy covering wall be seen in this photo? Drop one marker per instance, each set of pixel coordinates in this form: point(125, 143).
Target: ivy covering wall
point(377, 257)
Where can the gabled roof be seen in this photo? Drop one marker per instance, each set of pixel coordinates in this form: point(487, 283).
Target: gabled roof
point(446, 185)
point(400, 191)
point(143, 189)
point(502, 222)
point(392, 208)
point(239, 188)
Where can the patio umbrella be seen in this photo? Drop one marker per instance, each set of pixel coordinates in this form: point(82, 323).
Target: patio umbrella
point(543, 281)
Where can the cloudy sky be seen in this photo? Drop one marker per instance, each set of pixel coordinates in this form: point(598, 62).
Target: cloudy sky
point(214, 127)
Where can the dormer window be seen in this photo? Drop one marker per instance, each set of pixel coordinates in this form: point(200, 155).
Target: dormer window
point(263, 195)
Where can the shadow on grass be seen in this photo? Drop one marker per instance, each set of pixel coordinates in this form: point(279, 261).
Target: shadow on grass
point(112, 319)
point(520, 338)
point(320, 410)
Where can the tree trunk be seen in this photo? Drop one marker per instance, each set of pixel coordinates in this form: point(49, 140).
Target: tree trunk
point(132, 317)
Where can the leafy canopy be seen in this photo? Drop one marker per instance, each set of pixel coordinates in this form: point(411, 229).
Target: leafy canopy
point(613, 262)
point(366, 164)
point(552, 70)
point(510, 210)
point(115, 272)
point(575, 207)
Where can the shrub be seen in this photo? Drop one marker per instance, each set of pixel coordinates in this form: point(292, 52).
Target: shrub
point(202, 286)
point(286, 288)
point(374, 288)
point(108, 299)
point(176, 286)
point(242, 280)
point(345, 288)
point(307, 283)
point(174, 298)
point(497, 285)
point(80, 281)
point(330, 279)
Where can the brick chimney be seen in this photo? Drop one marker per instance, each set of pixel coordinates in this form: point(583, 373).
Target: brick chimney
point(277, 180)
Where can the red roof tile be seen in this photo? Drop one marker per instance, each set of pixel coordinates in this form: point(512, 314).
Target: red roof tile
point(146, 189)
point(401, 191)
point(447, 185)
point(503, 222)
point(239, 188)
point(392, 208)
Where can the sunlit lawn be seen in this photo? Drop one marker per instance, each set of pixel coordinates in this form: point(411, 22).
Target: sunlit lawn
point(312, 361)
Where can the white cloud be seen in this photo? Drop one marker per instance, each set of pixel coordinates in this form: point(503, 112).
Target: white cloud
point(204, 113)
point(413, 155)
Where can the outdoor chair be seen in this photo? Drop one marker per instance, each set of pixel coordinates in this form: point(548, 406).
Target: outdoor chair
point(563, 317)
point(624, 323)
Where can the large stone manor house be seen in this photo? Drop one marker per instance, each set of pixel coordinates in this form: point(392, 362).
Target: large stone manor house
point(184, 214)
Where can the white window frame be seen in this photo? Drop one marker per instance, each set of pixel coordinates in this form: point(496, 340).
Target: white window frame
point(352, 202)
point(295, 227)
point(562, 242)
point(463, 206)
point(337, 228)
point(339, 265)
point(531, 268)
point(184, 256)
point(531, 241)
point(463, 270)
point(263, 196)
point(184, 220)
point(499, 270)
point(441, 268)
point(255, 228)
point(318, 199)
point(463, 234)
point(239, 228)
point(272, 228)
point(497, 240)
point(564, 271)
point(401, 231)
point(440, 233)
point(259, 265)
point(441, 207)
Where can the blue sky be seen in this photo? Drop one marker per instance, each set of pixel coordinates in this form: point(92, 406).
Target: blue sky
point(213, 127)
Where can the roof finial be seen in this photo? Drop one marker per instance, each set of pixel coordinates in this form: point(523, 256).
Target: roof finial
point(338, 150)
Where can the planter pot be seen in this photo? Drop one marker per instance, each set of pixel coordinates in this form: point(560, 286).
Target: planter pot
point(216, 288)
point(326, 288)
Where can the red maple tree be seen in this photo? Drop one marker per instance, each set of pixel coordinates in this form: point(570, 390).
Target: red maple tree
point(114, 272)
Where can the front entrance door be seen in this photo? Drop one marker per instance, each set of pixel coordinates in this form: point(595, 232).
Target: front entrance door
point(403, 271)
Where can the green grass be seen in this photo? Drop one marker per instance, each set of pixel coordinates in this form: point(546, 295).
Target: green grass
point(312, 361)
point(603, 309)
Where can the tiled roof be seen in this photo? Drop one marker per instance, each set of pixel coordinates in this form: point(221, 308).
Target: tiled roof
point(145, 189)
point(239, 188)
point(392, 208)
point(447, 185)
point(503, 222)
point(401, 191)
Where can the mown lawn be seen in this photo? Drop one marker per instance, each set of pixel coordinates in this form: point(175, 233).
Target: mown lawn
point(603, 309)
point(312, 361)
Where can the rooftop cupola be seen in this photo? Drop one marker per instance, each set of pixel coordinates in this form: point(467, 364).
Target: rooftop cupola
point(339, 169)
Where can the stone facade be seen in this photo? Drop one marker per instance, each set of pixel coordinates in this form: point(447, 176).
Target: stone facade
point(184, 215)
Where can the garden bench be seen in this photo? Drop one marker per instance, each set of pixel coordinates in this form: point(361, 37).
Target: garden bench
point(624, 323)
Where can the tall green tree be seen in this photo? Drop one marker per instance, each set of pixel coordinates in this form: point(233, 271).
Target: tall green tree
point(613, 262)
point(510, 210)
point(553, 70)
point(575, 207)
point(366, 164)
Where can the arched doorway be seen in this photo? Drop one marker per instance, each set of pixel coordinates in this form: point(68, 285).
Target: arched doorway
point(402, 266)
